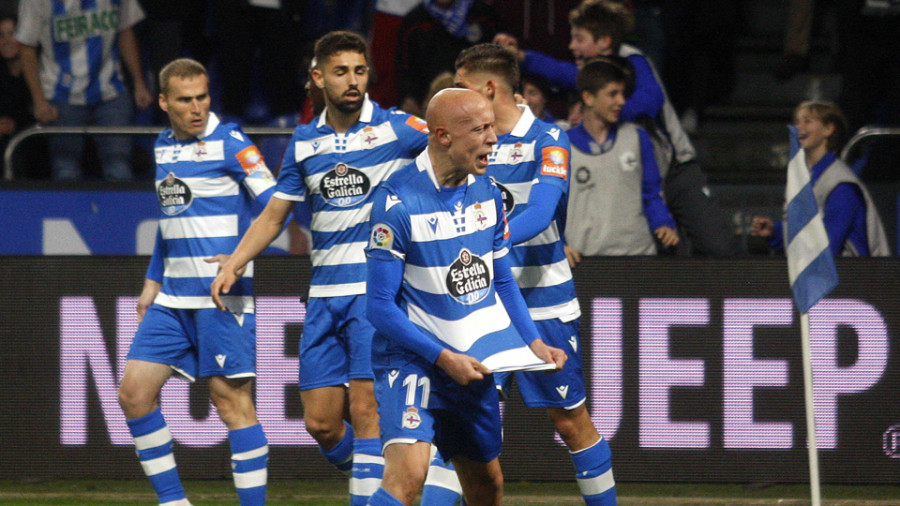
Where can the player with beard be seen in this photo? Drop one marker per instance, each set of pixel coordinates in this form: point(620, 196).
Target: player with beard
point(337, 162)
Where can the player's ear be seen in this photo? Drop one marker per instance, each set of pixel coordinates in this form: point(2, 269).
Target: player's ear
point(443, 136)
point(162, 103)
point(318, 78)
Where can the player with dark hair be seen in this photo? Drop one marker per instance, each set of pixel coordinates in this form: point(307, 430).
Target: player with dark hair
point(446, 307)
point(336, 162)
point(530, 164)
point(207, 176)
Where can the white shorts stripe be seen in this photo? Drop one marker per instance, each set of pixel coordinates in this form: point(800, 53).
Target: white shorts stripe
point(154, 439)
point(251, 479)
point(567, 311)
point(158, 465)
point(597, 485)
point(251, 454)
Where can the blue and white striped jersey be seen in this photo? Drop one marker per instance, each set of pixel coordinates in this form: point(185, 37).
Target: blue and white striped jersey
point(79, 54)
point(205, 211)
point(448, 275)
point(338, 173)
point(535, 152)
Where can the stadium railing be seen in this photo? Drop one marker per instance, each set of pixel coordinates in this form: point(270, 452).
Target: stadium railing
point(17, 139)
point(866, 133)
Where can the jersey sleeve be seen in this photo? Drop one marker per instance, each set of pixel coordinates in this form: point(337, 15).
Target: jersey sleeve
point(554, 151)
point(651, 186)
point(412, 132)
point(291, 185)
point(156, 268)
point(246, 164)
point(559, 73)
point(33, 18)
point(501, 229)
point(390, 226)
point(648, 98)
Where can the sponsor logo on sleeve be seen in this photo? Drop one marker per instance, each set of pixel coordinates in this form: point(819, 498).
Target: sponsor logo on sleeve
point(555, 162)
point(417, 123)
point(252, 162)
point(382, 236)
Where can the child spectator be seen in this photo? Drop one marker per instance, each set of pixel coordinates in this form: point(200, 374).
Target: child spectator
point(851, 219)
point(615, 199)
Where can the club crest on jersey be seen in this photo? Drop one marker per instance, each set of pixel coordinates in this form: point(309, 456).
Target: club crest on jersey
point(509, 202)
point(628, 161)
point(368, 137)
point(411, 418)
point(174, 195)
point(382, 237)
point(469, 280)
point(199, 153)
point(481, 219)
point(555, 162)
point(516, 153)
point(344, 186)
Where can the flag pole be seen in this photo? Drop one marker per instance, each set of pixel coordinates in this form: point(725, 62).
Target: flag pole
point(813, 450)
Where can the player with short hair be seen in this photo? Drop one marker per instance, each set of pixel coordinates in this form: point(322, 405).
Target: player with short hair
point(208, 175)
point(445, 306)
point(530, 164)
point(336, 163)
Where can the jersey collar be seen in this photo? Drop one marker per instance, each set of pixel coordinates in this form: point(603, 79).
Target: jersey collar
point(423, 163)
point(365, 116)
point(525, 121)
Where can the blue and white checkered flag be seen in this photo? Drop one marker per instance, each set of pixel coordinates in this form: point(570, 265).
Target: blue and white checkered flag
point(811, 266)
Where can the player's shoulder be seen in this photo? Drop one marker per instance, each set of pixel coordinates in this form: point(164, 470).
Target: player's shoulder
point(548, 134)
point(404, 179)
point(402, 120)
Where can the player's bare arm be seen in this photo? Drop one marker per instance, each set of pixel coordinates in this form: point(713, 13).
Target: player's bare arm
point(263, 231)
point(462, 368)
point(148, 295)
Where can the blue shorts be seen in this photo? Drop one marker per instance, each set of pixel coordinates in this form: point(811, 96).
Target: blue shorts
point(336, 345)
point(197, 343)
point(420, 402)
point(563, 389)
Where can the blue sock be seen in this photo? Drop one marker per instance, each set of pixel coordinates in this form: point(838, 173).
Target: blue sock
point(341, 456)
point(153, 443)
point(249, 461)
point(381, 497)
point(593, 467)
point(442, 486)
point(368, 468)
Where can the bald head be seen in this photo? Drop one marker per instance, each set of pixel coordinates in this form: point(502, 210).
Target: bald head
point(452, 106)
point(461, 129)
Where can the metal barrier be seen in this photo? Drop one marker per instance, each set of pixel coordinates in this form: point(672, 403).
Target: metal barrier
point(864, 133)
point(94, 130)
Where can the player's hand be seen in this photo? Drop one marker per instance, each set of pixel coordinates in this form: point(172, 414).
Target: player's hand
point(549, 354)
point(511, 43)
point(573, 256)
point(45, 112)
point(142, 96)
point(667, 235)
point(226, 278)
point(221, 258)
point(761, 226)
point(462, 368)
point(148, 295)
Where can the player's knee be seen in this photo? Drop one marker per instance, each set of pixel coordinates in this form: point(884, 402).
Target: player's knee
point(574, 426)
point(404, 483)
point(363, 411)
point(134, 402)
point(326, 432)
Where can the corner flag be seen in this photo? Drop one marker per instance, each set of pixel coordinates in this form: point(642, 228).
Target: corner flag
point(811, 268)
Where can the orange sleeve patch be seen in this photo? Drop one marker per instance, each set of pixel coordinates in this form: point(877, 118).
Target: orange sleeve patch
point(555, 162)
point(417, 123)
point(250, 158)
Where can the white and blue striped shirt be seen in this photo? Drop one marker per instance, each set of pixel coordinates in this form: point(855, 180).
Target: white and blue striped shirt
point(338, 173)
point(78, 41)
point(209, 190)
point(535, 152)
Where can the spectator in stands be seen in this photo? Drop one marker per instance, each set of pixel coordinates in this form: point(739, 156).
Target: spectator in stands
point(15, 101)
point(384, 34)
point(77, 80)
point(431, 37)
point(536, 93)
point(615, 197)
point(598, 28)
point(851, 219)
